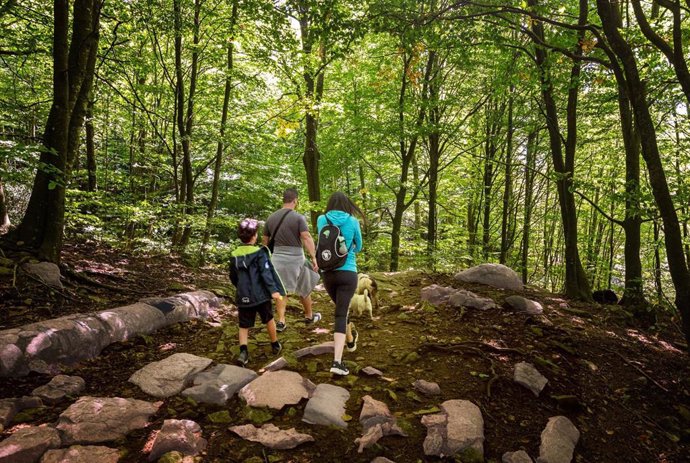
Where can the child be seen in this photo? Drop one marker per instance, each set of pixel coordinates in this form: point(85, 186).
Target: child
point(257, 283)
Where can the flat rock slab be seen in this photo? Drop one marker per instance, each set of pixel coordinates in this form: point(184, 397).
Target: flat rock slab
point(558, 441)
point(371, 371)
point(182, 436)
point(327, 406)
point(92, 420)
point(463, 298)
point(275, 389)
point(82, 454)
point(169, 376)
point(516, 457)
point(219, 384)
point(528, 376)
point(269, 435)
point(458, 429)
point(49, 345)
point(496, 275)
point(427, 388)
point(377, 421)
point(522, 304)
point(12, 406)
point(277, 364)
point(59, 388)
point(320, 349)
point(28, 444)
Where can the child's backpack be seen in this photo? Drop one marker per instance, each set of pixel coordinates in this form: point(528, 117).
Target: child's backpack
point(331, 251)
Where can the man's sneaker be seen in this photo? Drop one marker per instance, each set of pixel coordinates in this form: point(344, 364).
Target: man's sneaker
point(352, 346)
point(280, 327)
point(339, 368)
point(314, 319)
point(276, 348)
point(243, 358)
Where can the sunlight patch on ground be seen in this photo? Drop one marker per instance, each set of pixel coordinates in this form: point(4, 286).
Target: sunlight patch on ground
point(148, 446)
point(321, 331)
point(639, 337)
point(167, 346)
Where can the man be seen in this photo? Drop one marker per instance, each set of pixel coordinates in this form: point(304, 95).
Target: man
point(290, 233)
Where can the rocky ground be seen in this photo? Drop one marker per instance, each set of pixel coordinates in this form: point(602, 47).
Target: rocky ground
point(626, 389)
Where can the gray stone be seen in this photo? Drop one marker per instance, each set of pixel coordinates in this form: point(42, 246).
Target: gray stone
point(275, 389)
point(92, 420)
point(219, 384)
point(516, 457)
point(462, 298)
point(458, 428)
point(377, 421)
point(47, 272)
point(558, 441)
point(522, 304)
point(371, 371)
point(277, 364)
point(82, 454)
point(60, 387)
point(28, 444)
point(426, 387)
point(437, 295)
point(327, 406)
point(325, 348)
point(169, 376)
point(529, 377)
point(496, 275)
point(12, 406)
point(183, 436)
point(271, 436)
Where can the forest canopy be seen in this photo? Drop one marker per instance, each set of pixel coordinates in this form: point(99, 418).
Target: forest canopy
point(549, 136)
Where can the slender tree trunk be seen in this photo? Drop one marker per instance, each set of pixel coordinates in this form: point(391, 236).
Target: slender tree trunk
point(508, 187)
point(90, 147)
point(657, 265)
point(4, 217)
point(489, 153)
point(41, 229)
point(220, 148)
point(657, 177)
point(576, 283)
point(530, 161)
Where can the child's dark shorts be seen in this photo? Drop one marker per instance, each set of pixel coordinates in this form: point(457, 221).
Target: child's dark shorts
point(248, 314)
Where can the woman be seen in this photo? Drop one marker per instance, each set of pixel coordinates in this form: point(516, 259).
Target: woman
point(341, 282)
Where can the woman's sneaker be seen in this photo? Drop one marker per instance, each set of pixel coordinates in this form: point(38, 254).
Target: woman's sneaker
point(352, 346)
point(243, 358)
point(314, 319)
point(339, 368)
point(276, 348)
point(280, 327)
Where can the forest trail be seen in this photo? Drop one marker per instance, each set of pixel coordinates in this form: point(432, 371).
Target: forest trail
point(626, 389)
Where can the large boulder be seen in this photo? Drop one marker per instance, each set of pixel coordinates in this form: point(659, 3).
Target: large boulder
point(169, 376)
point(46, 346)
point(496, 275)
point(218, 384)
point(92, 420)
point(458, 429)
point(46, 272)
point(275, 389)
point(327, 406)
point(522, 304)
point(60, 387)
point(28, 444)
point(463, 298)
point(558, 441)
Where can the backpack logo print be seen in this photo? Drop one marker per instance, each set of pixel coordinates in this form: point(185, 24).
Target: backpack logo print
point(326, 255)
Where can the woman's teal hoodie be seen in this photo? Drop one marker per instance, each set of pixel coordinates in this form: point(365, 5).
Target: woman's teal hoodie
point(349, 229)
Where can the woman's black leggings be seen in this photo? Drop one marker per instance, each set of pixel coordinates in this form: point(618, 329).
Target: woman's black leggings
point(341, 286)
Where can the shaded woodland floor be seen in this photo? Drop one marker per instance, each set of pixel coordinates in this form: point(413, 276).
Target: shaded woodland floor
point(627, 389)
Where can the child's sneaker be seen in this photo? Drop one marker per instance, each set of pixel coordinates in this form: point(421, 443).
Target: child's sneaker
point(352, 346)
point(339, 368)
point(314, 319)
point(243, 358)
point(276, 347)
point(280, 327)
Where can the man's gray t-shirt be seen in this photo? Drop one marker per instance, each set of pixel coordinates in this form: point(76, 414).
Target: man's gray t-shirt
point(289, 231)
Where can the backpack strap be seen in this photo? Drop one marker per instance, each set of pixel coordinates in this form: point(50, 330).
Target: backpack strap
point(275, 232)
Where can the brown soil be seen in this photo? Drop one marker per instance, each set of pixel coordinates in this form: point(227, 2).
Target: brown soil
point(629, 384)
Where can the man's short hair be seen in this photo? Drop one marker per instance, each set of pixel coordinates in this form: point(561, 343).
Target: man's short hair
point(289, 195)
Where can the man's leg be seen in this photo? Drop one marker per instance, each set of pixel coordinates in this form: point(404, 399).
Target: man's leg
point(307, 304)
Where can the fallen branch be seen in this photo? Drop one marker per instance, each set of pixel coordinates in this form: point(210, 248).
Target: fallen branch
point(637, 368)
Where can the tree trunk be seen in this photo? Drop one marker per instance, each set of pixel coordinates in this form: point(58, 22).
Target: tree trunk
point(41, 229)
point(508, 187)
point(576, 283)
point(220, 148)
point(530, 162)
point(657, 177)
point(4, 217)
point(90, 147)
